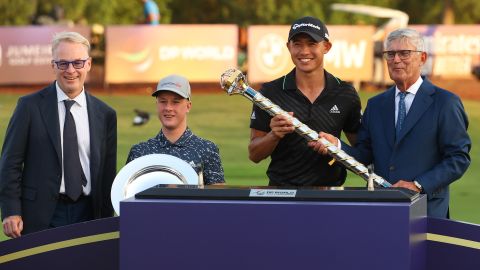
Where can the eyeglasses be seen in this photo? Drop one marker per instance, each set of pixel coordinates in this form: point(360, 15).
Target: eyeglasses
point(63, 65)
point(402, 54)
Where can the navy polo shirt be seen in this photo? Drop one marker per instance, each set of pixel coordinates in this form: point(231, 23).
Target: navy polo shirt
point(337, 109)
point(190, 148)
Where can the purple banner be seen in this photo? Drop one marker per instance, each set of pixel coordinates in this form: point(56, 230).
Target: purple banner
point(26, 53)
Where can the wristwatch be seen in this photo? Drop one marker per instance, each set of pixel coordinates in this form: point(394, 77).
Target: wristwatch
point(418, 186)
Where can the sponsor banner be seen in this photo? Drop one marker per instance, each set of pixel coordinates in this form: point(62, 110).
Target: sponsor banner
point(145, 53)
point(26, 53)
point(350, 58)
point(453, 49)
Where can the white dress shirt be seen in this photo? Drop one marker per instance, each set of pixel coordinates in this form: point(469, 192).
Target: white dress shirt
point(412, 91)
point(80, 115)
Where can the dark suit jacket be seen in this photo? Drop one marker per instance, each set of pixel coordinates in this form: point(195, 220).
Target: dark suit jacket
point(433, 147)
point(31, 161)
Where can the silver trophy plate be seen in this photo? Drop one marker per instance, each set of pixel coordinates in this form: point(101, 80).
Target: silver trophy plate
point(148, 171)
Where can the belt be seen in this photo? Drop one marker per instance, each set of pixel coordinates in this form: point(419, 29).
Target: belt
point(64, 198)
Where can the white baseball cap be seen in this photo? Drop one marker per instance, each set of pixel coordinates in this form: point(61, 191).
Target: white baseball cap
point(174, 83)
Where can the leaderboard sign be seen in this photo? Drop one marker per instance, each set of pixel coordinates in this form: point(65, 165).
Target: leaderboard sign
point(147, 53)
point(26, 53)
point(350, 58)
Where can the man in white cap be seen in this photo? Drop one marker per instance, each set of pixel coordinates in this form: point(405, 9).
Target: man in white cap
point(173, 97)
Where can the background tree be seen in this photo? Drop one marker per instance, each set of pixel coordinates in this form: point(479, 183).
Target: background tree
point(241, 12)
point(52, 11)
point(466, 11)
point(20, 13)
point(339, 17)
point(434, 11)
point(122, 12)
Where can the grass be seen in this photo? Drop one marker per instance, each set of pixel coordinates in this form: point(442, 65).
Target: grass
point(225, 121)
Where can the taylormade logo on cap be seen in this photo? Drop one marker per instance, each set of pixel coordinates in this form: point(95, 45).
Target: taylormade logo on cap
point(311, 26)
point(295, 26)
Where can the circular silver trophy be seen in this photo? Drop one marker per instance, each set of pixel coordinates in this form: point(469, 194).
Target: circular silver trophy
point(148, 171)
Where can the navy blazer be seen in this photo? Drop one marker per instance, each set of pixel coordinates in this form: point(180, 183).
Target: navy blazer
point(432, 148)
point(31, 161)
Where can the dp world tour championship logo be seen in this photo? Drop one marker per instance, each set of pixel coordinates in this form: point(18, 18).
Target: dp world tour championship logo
point(271, 54)
point(140, 61)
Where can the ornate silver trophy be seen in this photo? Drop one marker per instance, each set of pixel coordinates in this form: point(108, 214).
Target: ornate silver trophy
point(234, 82)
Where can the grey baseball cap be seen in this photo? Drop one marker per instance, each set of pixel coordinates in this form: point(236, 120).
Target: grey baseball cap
point(174, 83)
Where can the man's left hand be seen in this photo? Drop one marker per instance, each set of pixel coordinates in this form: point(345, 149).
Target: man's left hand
point(407, 184)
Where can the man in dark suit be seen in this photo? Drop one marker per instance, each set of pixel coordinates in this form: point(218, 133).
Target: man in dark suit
point(58, 159)
point(415, 133)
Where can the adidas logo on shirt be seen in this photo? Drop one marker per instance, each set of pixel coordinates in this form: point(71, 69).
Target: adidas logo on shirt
point(334, 109)
point(253, 116)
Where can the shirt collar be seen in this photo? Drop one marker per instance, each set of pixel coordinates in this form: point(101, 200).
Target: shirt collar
point(61, 96)
point(290, 81)
point(163, 141)
point(413, 89)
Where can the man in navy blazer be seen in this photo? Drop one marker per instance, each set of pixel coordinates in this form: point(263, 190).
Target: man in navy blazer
point(418, 141)
point(33, 194)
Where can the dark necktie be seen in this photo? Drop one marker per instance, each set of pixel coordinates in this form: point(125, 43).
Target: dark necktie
point(402, 112)
point(72, 168)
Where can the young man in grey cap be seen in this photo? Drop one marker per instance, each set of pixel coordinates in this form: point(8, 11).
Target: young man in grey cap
point(173, 98)
point(316, 98)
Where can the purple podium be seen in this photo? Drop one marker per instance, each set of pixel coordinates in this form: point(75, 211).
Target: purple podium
point(230, 228)
point(262, 229)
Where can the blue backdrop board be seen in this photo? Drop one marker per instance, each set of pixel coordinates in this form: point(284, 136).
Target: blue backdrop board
point(198, 232)
point(452, 245)
point(87, 245)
